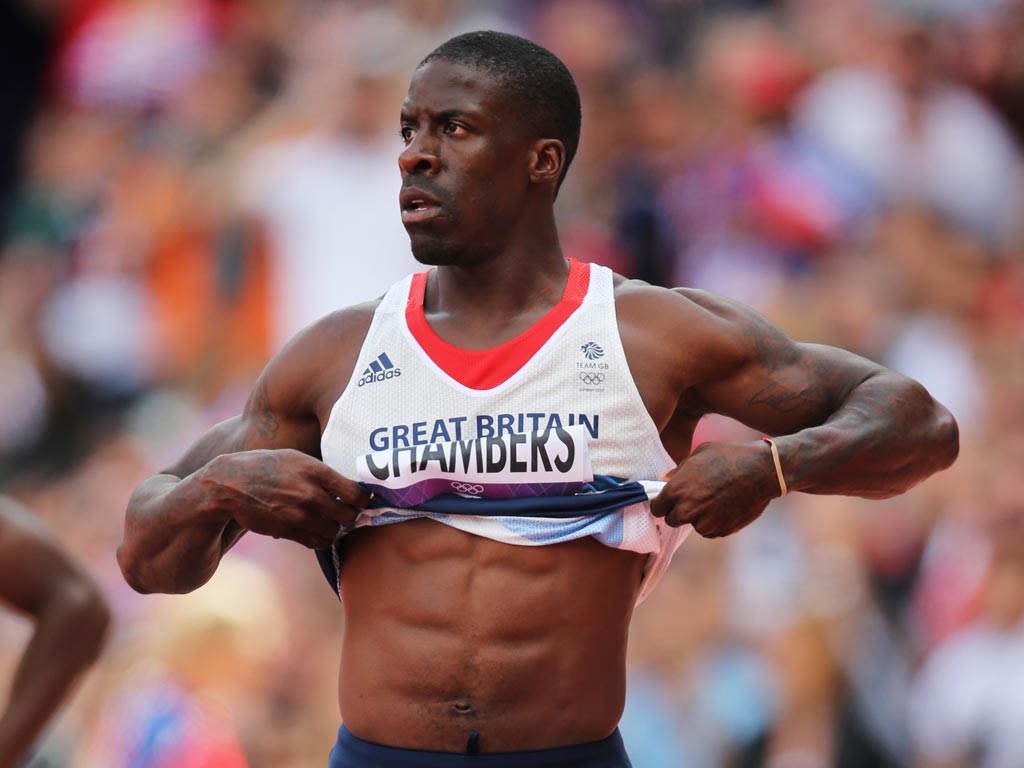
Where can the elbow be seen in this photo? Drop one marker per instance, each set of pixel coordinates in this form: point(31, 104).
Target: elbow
point(935, 432)
point(131, 570)
point(947, 437)
point(144, 578)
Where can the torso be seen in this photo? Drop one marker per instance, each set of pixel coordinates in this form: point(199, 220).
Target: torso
point(448, 633)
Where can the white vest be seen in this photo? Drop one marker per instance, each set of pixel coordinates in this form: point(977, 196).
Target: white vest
point(540, 440)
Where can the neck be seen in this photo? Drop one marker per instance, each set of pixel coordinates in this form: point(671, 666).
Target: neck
point(528, 274)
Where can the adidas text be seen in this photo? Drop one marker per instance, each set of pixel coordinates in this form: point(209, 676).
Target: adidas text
point(371, 378)
point(380, 369)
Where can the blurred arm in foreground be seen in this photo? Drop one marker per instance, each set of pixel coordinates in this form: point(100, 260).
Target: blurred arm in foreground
point(40, 580)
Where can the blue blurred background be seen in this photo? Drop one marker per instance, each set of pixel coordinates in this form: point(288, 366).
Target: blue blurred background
point(184, 184)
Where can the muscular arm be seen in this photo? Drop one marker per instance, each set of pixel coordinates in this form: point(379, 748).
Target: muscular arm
point(259, 472)
point(41, 581)
point(844, 425)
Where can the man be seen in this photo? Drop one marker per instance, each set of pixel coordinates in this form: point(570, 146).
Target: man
point(508, 415)
point(38, 579)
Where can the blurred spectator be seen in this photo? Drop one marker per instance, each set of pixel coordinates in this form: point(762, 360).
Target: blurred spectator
point(817, 723)
point(967, 706)
point(694, 688)
point(327, 192)
point(27, 31)
point(914, 136)
point(195, 661)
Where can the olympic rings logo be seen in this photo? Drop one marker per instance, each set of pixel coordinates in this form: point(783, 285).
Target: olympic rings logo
point(471, 489)
point(592, 377)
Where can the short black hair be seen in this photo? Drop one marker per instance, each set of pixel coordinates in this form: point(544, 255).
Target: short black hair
point(542, 83)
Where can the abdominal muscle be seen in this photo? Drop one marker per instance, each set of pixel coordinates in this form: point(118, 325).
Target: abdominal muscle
point(447, 633)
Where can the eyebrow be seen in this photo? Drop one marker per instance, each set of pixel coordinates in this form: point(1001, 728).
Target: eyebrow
point(446, 114)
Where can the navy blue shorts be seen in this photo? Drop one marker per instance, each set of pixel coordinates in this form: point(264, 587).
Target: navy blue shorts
point(353, 752)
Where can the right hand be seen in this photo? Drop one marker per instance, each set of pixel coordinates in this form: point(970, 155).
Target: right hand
point(285, 494)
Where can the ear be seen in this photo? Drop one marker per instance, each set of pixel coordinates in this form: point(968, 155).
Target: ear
point(547, 159)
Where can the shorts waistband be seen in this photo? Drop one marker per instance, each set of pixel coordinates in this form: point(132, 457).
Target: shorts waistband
point(354, 752)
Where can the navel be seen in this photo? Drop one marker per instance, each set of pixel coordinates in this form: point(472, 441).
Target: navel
point(462, 708)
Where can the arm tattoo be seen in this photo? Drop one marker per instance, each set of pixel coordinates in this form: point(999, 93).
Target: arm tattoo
point(808, 392)
point(266, 420)
point(772, 349)
point(781, 397)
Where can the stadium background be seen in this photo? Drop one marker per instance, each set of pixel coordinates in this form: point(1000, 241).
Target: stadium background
point(185, 183)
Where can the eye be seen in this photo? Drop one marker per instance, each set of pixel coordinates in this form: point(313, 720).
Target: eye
point(406, 132)
point(454, 129)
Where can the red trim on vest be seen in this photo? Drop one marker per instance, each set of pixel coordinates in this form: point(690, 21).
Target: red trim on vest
point(487, 368)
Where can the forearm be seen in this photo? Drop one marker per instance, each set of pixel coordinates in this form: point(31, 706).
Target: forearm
point(69, 632)
point(886, 436)
point(175, 535)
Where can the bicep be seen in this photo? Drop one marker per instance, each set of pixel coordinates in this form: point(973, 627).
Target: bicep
point(766, 380)
point(274, 417)
point(783, 398)
point(283, 408)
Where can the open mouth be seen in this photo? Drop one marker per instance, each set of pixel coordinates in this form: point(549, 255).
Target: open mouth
point(416, 209)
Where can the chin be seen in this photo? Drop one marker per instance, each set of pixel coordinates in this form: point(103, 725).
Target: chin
point(434, 252)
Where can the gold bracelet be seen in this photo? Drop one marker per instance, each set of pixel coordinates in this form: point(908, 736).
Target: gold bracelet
point(778, 465)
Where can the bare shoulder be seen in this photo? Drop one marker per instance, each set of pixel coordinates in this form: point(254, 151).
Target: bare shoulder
point(343, 326)
point(702, 327)
point(289, 402)
point(720, 306)
point(310, 366)
point(692, 304)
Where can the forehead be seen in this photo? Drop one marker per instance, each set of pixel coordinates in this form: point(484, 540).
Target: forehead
point(442, 86)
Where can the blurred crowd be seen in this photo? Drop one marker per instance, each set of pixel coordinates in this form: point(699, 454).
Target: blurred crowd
point(186, 183)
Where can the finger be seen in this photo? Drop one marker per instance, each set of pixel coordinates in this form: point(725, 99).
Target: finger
point(329, 507)
point(348, 514)
point(708, 531)
point(301, 522)
point(341, 487)
point(663, 504)
point(660, 506)
point(715, 529)
point(314, 530)
point(312, 540)
point(679, 519)
point(675, 510)
point(722, 532)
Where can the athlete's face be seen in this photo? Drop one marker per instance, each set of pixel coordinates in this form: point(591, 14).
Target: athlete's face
point(465, 166)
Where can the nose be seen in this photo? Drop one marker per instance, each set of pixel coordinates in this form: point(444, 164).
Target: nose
point(417, 157)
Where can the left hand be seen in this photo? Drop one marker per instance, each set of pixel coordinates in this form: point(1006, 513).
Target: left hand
point(719, 488)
